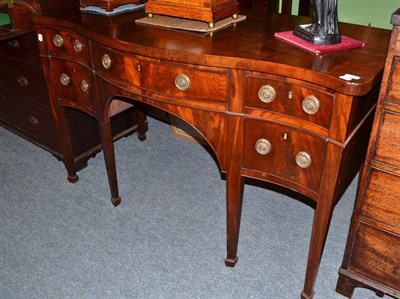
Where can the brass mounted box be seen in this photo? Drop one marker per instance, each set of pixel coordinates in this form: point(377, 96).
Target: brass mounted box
point(199, 10)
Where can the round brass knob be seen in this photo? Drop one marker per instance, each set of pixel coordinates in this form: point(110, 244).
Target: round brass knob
point(34, 121)
point(263, 146)
point(311, 105)
point(22, 81)
point(58, 40)
point(266, 93)
point(182, 82)
point(303, 159)
point(84, 86)
point(106, 61)
point(78, 46)
point(65, 79)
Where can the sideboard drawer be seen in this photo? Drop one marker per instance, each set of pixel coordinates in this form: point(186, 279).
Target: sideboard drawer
point(24, 80)
point(23, 48)
point(196, 83)
point(279, 95)
point(388, 141)
point(114, 66)
point(30, 119)
point(284, 152)
point(381, 196)
point(67, 44)
point(75, 84)
point(376, 254)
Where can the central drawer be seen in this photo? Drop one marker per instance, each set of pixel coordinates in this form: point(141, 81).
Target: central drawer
point(164, 78)
point(284, 152)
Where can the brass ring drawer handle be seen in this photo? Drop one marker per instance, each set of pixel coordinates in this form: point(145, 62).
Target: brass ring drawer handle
point(77, 46)
point(34, 121)
point(65, 79)
point(58, 40)
point(303, 159)
point(84, 86)
point(310, 105)
point(266, 93)
point(106, 61)
point(263, 146)
point(182, 82)
point(22, 81)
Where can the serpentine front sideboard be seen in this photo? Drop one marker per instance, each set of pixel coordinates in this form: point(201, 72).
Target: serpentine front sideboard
point(268, 110)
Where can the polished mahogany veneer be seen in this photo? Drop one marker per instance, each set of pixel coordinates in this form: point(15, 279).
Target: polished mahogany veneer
point(268, 110)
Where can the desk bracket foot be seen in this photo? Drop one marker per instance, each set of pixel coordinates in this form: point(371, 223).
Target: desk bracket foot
point(231, 262)
point(73, 178)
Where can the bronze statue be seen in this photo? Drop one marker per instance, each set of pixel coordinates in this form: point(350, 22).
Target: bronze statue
point(325, 30)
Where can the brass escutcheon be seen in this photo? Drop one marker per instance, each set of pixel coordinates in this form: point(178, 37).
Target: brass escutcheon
point(310, 105)
point(58, 40)
point(182, 82)
point(263, 146)
point(266, 93)
point(22, 81)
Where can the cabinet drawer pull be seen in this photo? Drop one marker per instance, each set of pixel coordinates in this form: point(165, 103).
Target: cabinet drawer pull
point(65, 79)
point(182, 82)
point(266, 93)
point(22, 81)
point(106, 61)
point(77, 46)
point(14, 44)
point(310, 105)
point(58, 40)
point(303, 159)
point(84, 86)
point(34, 121)
point(263, 146)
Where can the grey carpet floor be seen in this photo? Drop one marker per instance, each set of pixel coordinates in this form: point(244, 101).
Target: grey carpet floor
point(166, 239)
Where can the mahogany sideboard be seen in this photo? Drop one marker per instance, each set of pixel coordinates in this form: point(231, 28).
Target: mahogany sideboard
point(372, 256)
point(268, 110)
point(24, 102)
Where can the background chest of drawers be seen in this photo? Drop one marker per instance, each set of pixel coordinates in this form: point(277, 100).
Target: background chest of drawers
point(24, 102)
point(372, 256)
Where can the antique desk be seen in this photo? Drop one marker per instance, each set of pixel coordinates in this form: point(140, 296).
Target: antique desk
point(269, 111)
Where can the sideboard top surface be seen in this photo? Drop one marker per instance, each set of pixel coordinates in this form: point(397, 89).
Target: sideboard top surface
point(249, 45)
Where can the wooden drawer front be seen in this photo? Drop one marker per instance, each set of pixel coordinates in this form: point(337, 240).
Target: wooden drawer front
point(114, 66)
point(388, 143)
point(376, 254)
point(24, 80)
point(31, 119)
point(67, 44)
point(394, 82)
point(286, 144)
point(382, 198)
point(23, 48)
point(278, 95)
point(171, 79)
point(180, 81)
point(75, 85)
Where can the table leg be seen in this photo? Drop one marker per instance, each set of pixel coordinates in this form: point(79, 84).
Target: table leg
point(322, 218)
point(234, 199)
point(140, 120)
point(67, 146)
point(109, 158)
